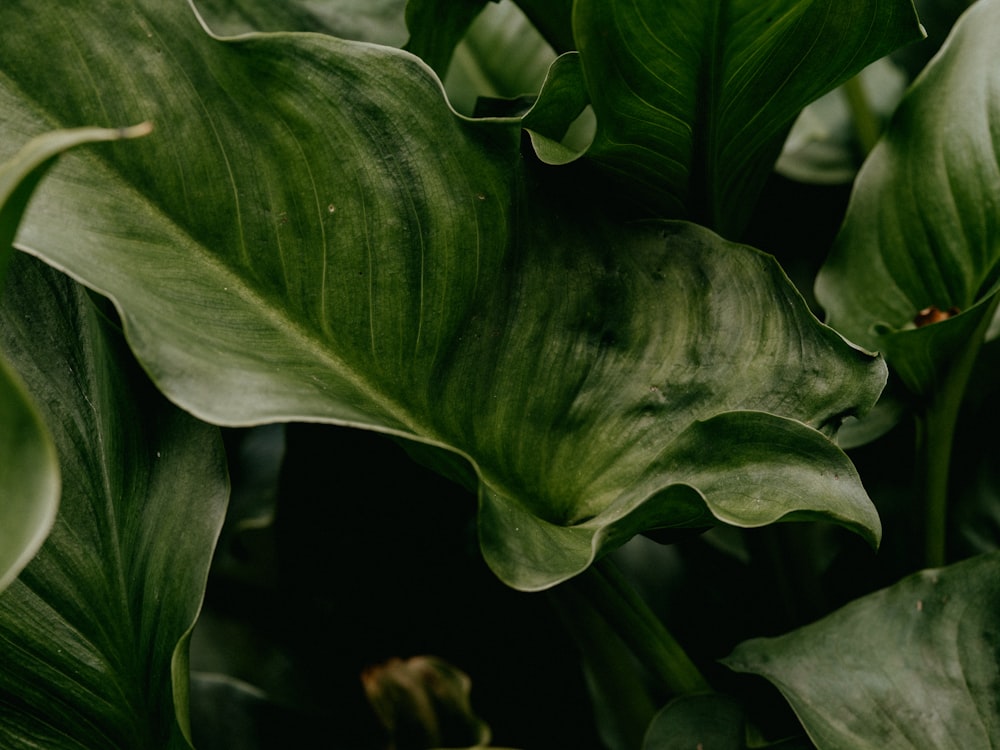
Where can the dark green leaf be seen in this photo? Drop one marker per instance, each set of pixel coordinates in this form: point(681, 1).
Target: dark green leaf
point(29, 469)
point(554, 19)
point(922, 229)
point(693, 99)
point(911, 667)
point(312, 234)
point(94, 630)
point(437, 27)
point(712, 722)
point(561, 101)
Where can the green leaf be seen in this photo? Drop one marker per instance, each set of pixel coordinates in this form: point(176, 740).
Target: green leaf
point(29, 477)
point(437, 27)
point(313, 234)
point(29, 469)
point(377, 21)
point(705, 721)
point(694, 100)
point(554, 20)
point(922, 228)
point(95, 628)
point(907, 668)
point(561, 101)
point(501, 56)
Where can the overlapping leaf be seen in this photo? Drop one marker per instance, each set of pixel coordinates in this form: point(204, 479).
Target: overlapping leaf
point(29, 470)
point(914, 666)
point(312, 234)
point(922, 231)
point(93, 631)
point(694, 98)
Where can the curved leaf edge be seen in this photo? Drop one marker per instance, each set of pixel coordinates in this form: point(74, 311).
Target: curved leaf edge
point(530, 553)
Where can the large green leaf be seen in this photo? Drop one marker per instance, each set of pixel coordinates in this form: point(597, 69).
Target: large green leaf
point(311, 233)
point(694, 98)
point(94, 631)
point(912, 667)
point(923, 226)
point(29, 469)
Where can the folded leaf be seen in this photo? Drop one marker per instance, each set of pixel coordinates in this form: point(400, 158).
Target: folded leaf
point(94, 630)
point(910, 667)
point(694, 99)
point(312, 234)
point(915, 267)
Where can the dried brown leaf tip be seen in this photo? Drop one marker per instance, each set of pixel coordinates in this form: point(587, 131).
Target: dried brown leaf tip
point(933, 314)
point(422, 703)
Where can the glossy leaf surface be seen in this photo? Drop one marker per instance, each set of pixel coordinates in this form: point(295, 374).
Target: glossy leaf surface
point(29, 469)
point(94, 628)
point(325, 240)
point(909, 667)
point(922, 231)
point(694, 98)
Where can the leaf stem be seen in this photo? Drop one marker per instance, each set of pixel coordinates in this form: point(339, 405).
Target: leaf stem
point(867, 125)
point(935, 435)
point(617, 602)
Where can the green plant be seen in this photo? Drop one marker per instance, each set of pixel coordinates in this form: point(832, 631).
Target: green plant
point(568, 323)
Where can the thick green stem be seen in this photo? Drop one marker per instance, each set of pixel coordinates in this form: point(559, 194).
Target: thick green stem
point(935, 436)
point(620, 606)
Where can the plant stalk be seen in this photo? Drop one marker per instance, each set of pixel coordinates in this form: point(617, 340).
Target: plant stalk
point(935, 435)
point(654, 646)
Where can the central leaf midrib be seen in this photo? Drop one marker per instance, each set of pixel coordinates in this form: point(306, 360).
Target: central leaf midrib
point(704, 126)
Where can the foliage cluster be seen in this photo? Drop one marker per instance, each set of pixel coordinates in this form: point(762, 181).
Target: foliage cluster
point(515, 244)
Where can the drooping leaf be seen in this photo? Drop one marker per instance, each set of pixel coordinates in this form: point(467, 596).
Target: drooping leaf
point(922, 232)
point(94, 629)
point(437, 27)
point(910, 667)
point(29, 469)
point(694, 98)
point(313, 234)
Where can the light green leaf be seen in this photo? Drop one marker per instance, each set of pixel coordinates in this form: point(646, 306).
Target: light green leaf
point(911, 667)
point(694, 99)
point(501, 56)
point(29, 477)
point(29, 469)
point(923, 225)
point(313, 234)
point(94, 630)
